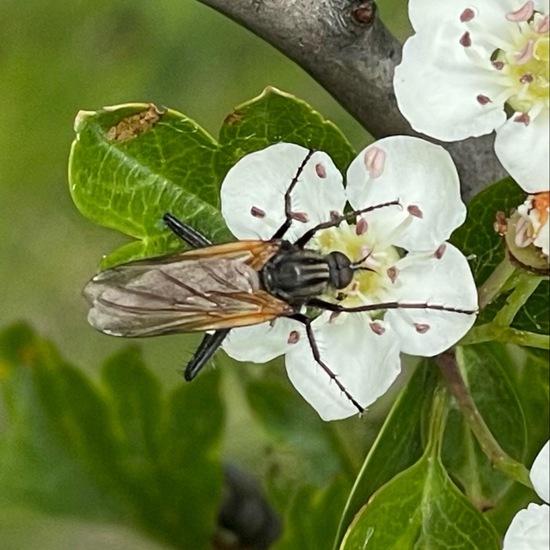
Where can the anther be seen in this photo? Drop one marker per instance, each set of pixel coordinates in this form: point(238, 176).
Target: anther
point(466, 40)
point(320, 170)
point(375, 159)
point(543, 25)
point(299, 216)
point(421, 328)
point(257, 212)
point(522, 14)
point(392, 274)
point(523, 118)
point(334, 215)
point(438, 254)
point(377, 328)
point(467, 15)
point(483, 99)
point(293, 337)
point(526, 54)
point(333, 316)
point(498, 65)
point(415, 211)
point(527, 78)
point(361, 227)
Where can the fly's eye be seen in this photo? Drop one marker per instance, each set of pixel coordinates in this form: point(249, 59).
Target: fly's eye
point(341, 271)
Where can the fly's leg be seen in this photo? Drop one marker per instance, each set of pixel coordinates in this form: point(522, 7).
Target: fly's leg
point(207, 348)
point(321, 304)
point(279, 234)
point(210, 342)
point(306, 321)
point(337, 220)
point(185, 232)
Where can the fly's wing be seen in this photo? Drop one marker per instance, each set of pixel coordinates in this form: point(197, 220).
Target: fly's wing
point(211, 288)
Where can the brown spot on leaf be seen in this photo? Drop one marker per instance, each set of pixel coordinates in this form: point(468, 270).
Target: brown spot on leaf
point(132, 126)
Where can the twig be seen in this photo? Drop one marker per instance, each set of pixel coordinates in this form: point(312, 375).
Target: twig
point(345, 47)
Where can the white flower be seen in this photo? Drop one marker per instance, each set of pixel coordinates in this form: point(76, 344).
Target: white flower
point(532, 226)
point(530, 527)
point(468, 65)
point(403, 246)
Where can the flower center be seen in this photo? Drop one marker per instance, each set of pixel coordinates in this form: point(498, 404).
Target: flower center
point(534, 216)
point(375, 260)
point(521, 60)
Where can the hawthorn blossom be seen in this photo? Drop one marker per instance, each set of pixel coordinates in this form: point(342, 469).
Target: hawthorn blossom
point(532, 226)
point(530, 527)
point(472, 68)
point(401, 249)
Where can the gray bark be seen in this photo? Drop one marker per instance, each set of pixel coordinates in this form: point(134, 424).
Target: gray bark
point(345, 47)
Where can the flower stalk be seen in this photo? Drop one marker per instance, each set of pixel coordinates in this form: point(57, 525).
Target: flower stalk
point(448, 366)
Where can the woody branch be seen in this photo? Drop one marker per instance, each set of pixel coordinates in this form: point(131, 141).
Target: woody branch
point(345, 47)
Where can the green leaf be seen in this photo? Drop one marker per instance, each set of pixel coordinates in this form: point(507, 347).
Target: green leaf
point(295, 426)
point(477, 239)
point(132, 163)
point(275, 116)
point(122, 453)
point(420, 508)
point(487, 371)
point(398, 445)
point(530, 379)
point(312, 517)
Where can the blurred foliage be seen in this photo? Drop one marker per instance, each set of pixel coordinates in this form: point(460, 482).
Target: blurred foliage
point(59, 57)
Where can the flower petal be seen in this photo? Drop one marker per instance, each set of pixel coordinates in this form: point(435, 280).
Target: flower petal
point(437, 280)
point(260, 343)
point(529, 529)
point(252, 193)
point(365, 363)
point(419, 174)
point(540, 474)
point(426, 15)
point(438, 85)
point(523, 151)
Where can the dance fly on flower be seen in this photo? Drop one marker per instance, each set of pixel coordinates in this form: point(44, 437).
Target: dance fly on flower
point(219, 287)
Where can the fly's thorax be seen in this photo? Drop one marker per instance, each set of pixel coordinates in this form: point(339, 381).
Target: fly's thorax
point(296, 275)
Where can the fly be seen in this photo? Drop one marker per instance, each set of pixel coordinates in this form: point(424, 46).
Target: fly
point(219, 287)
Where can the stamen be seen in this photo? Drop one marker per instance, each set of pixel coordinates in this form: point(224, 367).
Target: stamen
point(377, 328)
point(440, 251)
point(320, 170)
point(293, 337)
point(498, 65)
point(334, 215)
point(527, 54)
point(527, 78)
point(375, 159)
point(257, 212)
point(467, 15)
point(523, 118)
point(466, 40)
point(522, 14)
point(543, 26)
point(415, 211)
point(361, 227)
point(522, 238)
point(332, 316)
point(483, 99)
point(392, 272)
point(300, 216)
point(421, 328)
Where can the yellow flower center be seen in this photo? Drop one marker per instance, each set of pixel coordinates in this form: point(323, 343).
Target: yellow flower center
point(524, 64)
point(375, 261)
